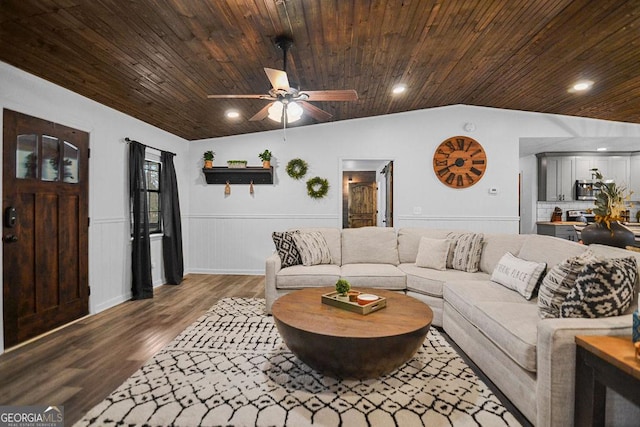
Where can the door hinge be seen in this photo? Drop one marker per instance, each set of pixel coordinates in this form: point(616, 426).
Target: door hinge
point(88, 221)
point(89, 290)
point(89, 152)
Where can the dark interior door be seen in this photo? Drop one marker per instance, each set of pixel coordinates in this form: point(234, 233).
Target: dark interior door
point(362, 204)
point(45, 226)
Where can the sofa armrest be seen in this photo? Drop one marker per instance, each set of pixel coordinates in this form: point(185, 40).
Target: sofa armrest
point(273, 265)
point(556, 363)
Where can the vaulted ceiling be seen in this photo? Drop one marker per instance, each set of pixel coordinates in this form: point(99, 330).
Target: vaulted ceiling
point(157, 60)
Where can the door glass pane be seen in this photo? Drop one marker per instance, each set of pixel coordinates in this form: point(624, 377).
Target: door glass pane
point(50, 158)
point(27, 156)
point(70, 163)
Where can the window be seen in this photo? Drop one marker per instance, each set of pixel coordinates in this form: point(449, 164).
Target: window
point(152, 175)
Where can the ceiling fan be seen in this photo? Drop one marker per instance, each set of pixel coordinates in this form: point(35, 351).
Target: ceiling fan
point(288, 102)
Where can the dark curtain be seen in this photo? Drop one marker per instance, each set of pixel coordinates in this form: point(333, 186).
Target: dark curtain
point(141, 282)
point(171, 222)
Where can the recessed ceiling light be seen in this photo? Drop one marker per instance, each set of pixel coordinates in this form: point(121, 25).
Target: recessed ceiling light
point(581, 86)
point(398, 89)
point(232, 114)
point(601, 149)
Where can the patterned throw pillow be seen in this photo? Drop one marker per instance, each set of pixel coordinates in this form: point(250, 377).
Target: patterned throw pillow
point(286, 248)
point(518, 274)
point(313, 248)
point(602, 289)
point(467, 251)
point(558, 282)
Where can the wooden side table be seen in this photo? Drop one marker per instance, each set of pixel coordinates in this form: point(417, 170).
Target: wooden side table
point(601, 362)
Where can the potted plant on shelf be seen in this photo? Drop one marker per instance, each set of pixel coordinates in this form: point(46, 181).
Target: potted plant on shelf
point(265, 156)
point(208, 159)
point(342, 288)
point(610, 204)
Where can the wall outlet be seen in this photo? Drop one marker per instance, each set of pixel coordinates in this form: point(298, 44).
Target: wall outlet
point(493, 190)
point(417, 210)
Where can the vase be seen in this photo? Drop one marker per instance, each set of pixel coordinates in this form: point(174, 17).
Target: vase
point(619, 235)
point(266, 164)
point(208, 164)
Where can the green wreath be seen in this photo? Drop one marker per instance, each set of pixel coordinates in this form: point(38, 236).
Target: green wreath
point(297, 168)
point(317, 187)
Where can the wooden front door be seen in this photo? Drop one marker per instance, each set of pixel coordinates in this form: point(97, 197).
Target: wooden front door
point(362, 204)
point(45, 226)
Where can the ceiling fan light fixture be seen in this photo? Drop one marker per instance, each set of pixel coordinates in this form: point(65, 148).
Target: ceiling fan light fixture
point(294, 111)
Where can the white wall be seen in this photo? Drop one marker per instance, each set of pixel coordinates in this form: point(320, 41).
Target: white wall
point(109, 243)
point(232, 234)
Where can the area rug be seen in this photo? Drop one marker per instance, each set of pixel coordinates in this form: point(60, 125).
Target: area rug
point(231, 368)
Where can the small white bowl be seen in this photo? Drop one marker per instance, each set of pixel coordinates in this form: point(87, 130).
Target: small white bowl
point(364, 299)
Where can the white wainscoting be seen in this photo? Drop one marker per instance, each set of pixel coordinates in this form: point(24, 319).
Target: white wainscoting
point(110, 262)
point(239, 244)
point(479, 224)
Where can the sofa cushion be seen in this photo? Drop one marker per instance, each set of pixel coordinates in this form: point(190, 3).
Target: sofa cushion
point(383, 276)
point(496, 245)
point(464, 295)
point(333, 238)
point(602, 289)
point(286, 248)
point(518, 274)
point(409, 241)
point(613, 252)
point(512, 327)
point(550, 250)
point(300, 276)
point(374, 245)
point(428, 281)
point(467, 250)
point(312, 247)
point(433, 253)
point(558, 282)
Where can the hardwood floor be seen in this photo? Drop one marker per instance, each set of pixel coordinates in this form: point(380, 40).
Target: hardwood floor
point(82, 363)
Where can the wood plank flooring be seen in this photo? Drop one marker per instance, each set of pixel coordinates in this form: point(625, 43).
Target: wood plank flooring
point(82, 363)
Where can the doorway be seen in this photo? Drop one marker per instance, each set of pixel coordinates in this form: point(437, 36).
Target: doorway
point(45, 226)
point(367, 193)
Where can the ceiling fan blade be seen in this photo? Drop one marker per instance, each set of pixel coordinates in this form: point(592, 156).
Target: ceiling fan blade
point(314, 111)
point(262, 114)
point(331, 95)
point(278, 79)
point(237, 96)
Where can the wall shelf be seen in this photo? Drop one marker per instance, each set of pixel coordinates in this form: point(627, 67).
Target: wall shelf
point(221, 174)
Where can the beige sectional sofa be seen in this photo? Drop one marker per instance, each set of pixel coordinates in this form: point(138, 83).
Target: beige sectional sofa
point(531, 360)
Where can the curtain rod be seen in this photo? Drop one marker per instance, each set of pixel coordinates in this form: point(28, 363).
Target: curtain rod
point(127, 139)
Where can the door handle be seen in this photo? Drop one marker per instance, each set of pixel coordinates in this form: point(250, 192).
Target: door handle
point(10, 238)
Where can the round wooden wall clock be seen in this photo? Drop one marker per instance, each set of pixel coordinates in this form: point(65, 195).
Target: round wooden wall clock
point(459, 162)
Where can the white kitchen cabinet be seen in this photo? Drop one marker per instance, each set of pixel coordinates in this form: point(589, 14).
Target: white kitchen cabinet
point(560, 178)
point(585, 164)
point(618, 169)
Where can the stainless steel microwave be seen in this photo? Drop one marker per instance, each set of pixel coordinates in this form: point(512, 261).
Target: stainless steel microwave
point(586, 189)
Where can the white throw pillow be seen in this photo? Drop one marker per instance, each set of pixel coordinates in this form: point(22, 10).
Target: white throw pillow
point(518, 274)
point(313, 248)
point(432, 253)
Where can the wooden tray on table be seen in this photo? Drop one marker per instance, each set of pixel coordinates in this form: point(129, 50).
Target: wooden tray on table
point(332, 299)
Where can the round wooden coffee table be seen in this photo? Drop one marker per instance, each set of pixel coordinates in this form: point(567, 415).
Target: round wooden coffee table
point(343, 344)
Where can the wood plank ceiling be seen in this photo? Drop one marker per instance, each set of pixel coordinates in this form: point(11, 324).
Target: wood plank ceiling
point(158, 59)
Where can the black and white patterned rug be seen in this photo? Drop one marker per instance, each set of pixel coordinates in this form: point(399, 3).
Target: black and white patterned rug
point(231, 368)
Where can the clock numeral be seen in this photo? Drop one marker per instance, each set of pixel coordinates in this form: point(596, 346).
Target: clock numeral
point(470, 178)
point(475, 171)
point(478, 162)
point(450, 145)
point(459, 182)
point(443, 171)
point(460, 143)
point(440, 151)
point(478, 151)
point(450, 178)
point(441, 163)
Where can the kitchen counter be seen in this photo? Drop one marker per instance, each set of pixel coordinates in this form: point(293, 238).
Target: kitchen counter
point(558, 223)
